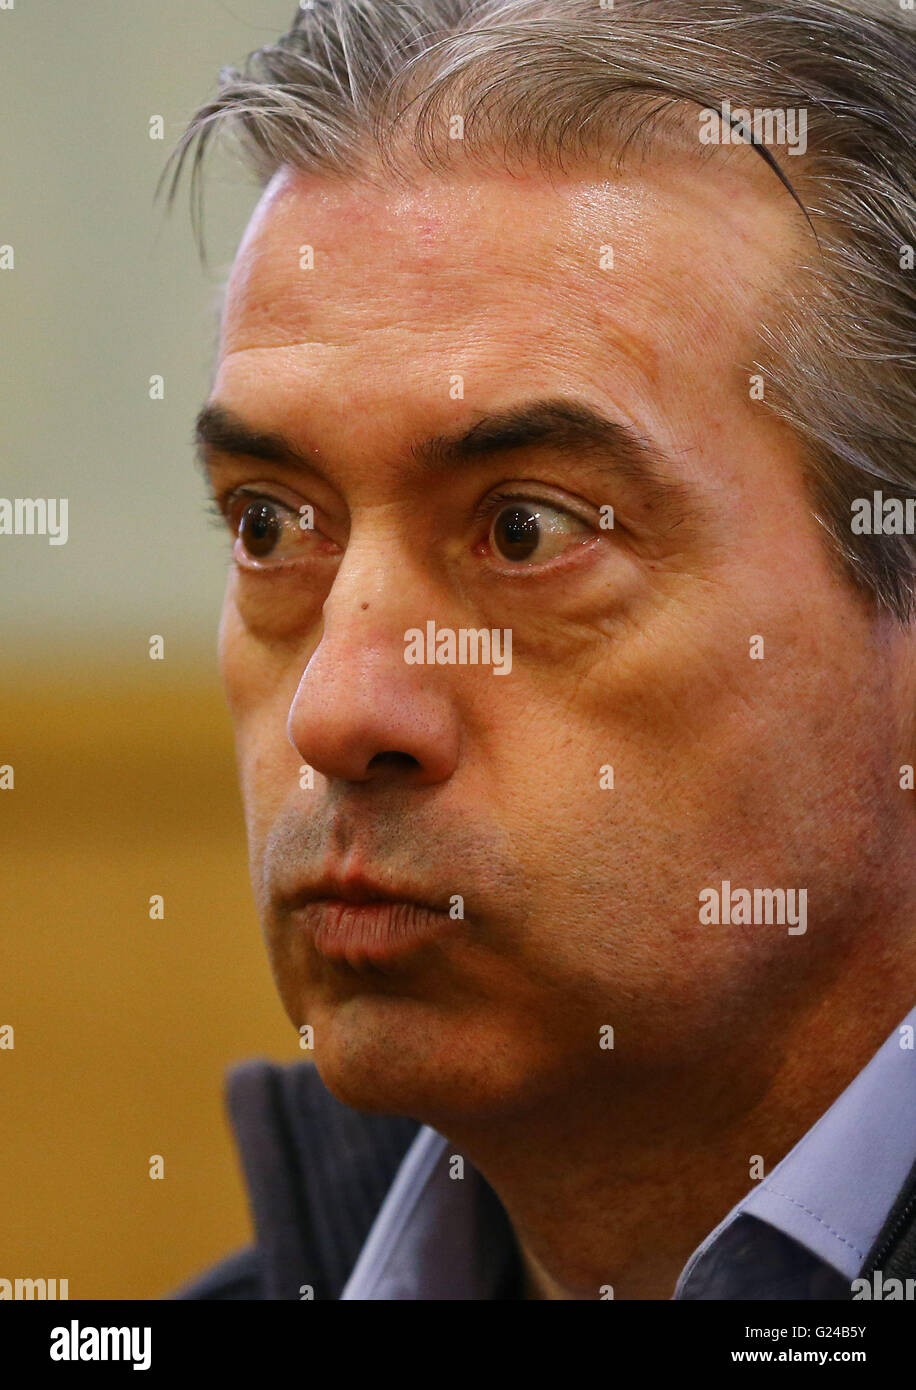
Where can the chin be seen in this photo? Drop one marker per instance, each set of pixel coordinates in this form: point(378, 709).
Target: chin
point(389, 1057)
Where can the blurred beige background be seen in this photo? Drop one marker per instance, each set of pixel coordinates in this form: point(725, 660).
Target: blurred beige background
point(124, 770)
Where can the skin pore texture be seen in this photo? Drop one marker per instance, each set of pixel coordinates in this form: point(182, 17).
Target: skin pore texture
point(630, 648)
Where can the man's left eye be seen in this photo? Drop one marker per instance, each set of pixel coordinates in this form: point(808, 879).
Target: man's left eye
point(530, 530)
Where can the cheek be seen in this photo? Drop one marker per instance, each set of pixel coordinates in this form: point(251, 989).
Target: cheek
point(235, 660)
point(259, 690)
point(254, 672)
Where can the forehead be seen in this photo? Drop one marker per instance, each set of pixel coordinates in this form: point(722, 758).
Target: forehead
point(654, 278)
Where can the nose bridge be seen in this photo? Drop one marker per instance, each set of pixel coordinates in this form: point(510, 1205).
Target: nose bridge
point(358, 701)
point(375, 590)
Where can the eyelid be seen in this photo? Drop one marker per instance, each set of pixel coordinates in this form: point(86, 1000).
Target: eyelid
point(226, 499)
point(495, 500)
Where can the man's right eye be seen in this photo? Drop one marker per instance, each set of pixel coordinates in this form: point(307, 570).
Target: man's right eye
point(259, 527)
point(268, 532)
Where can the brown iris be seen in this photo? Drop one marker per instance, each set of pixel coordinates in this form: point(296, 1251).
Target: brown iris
point(259, 528)
point(517, 532)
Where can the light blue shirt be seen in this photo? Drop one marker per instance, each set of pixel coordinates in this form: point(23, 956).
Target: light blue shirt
point(802, 1232)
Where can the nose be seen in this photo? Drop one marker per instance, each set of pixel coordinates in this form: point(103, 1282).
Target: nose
point(360, 712)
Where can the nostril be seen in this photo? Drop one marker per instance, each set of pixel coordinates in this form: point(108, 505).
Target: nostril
point(394, 758)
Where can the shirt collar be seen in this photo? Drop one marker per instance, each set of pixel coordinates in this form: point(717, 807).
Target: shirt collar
point(441, 1232)
point(832, 1191)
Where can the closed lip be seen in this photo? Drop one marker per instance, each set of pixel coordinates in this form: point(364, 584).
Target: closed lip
point(363, 923)
point(357, 889)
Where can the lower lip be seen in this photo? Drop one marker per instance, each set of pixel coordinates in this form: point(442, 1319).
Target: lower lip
point(372, 933)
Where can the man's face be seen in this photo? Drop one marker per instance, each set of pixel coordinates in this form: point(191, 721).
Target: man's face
point(632, 648)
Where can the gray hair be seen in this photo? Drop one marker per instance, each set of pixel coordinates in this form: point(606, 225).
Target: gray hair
point(358, 87)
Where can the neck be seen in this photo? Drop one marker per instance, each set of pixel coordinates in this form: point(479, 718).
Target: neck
point(616, 1184)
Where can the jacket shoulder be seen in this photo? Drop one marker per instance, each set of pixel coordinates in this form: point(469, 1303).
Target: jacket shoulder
point(317, 1172)
point(237, 1276)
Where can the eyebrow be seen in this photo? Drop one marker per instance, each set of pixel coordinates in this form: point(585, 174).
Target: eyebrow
point(564, 424)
